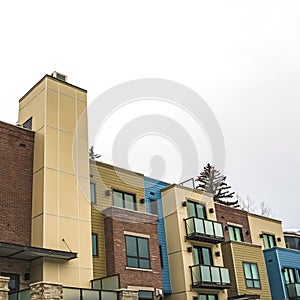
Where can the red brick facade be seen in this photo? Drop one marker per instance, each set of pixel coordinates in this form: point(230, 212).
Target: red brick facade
point(16, 163)
point(227, 214)
point(117, 221)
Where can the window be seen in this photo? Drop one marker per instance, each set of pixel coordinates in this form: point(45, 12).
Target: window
point(143, 295)
point(289, 275)
point(196, 210)
point(202, 256)
point(14, 281)
point(153, 207)
point(161, 257)
point(207, 297)
point(235, 233)
point(28, 124)
point(93, 192)
point(251, 275)
point(269, 240)
point(94, 244)
point(137, 252)
point(124, 200)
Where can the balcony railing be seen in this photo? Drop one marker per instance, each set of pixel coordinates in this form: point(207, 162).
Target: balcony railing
point(293, 290)
point(20, 295)
point(204, 230)
point(210, 277)
point(88, 294)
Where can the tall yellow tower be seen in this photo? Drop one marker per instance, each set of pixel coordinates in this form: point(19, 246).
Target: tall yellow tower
point(61, 216)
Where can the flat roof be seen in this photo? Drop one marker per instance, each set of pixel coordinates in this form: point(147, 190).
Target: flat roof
point(29, 253)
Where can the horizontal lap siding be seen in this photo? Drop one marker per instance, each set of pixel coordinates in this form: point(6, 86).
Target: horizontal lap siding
point(274, 274)
point(107, 177)
point(244, 252)
point(154, 186)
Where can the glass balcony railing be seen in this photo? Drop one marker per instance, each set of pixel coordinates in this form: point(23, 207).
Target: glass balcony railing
point(20, 295)
point(88, 294)
point(294, 290)
point(204, 230)
point(210, 277)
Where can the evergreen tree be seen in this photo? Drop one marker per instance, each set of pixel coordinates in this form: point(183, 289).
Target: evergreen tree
point(212, 181)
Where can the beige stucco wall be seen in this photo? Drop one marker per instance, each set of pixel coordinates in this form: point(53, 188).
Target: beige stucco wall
point(61, 207)
point(259, 224)
point(179, 257)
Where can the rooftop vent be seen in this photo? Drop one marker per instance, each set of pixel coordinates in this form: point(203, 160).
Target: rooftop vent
point(60, 76)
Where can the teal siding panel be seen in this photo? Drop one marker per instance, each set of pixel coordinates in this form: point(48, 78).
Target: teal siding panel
point(153, 191)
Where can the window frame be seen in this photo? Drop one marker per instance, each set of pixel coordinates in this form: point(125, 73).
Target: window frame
point(124, 200)
point(267, 240)
point(137, 257)
point(289, 271)
point(96, 245)
point(195, 204)
point(151, 200)
point(252, 279)
point(207, 296)
point(199, 251)
point(235, 228)
point(94, 193)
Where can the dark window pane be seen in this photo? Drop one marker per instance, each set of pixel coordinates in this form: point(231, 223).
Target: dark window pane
point(132, 262)
point(191, 209)
point(28, 124)
point(94, 245)
point(145, 295)
point(206, 256)
point(118, 200)
point(131, 247)
point(144, 263)
point(93, 192)
point(153, 207)
point(143, 248)
point(129, 201)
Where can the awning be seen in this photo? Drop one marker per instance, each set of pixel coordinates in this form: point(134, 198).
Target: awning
point(28, 253)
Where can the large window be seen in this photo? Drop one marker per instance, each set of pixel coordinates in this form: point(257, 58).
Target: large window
point(202, 256)
point(93, 192)
point(269, 240)
point(235, 233)
point(124, 200)
point(207, 297)
point(251, 275)
point(94, 244)
point(196, 210)
point(290, 276)
point(137, 252)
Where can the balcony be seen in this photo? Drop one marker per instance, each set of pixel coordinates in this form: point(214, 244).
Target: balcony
point(293, 290)
point(210, 277)
point(204, 230)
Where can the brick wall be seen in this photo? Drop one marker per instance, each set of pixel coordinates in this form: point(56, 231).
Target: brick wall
point(16, 161)
point(116, 221)
point(226, 214)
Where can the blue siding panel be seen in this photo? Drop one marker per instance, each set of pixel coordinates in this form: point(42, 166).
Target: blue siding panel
point(153, 191)
point(276, 259)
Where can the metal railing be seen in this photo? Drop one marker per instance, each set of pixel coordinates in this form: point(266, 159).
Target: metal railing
point(293, 290)
point(202, 229)
point(210, 276)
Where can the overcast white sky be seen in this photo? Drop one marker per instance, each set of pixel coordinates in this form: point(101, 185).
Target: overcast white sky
point(241, 57)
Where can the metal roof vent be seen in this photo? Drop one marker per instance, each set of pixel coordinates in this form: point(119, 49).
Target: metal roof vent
point(60, 76)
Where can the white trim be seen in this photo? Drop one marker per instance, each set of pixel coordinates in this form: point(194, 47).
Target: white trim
point(139, 269)
point(147, 236)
